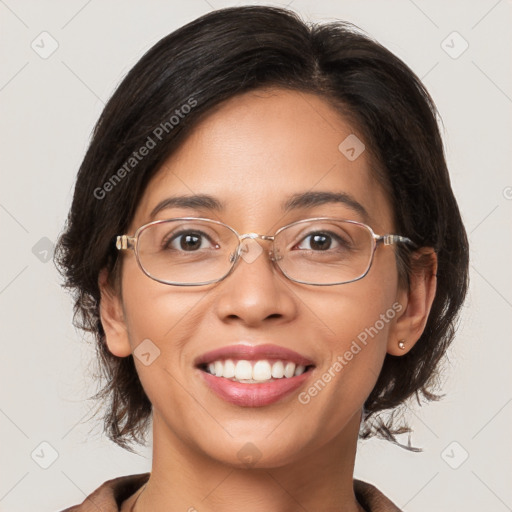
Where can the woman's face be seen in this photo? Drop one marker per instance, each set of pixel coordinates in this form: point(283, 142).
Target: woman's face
point(252, 155)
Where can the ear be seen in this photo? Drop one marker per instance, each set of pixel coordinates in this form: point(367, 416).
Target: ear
point(416, 302)
point(112, 318)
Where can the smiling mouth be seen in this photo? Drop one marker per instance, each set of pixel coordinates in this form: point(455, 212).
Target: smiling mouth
point(254, 371)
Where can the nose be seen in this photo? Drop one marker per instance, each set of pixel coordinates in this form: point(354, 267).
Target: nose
point(255, 292)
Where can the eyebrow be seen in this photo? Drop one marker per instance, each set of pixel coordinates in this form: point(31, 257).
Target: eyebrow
point(298, 201)
point(312, 199)
point(194, 202)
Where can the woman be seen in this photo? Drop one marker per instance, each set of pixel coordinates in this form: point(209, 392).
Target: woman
point(265, 243)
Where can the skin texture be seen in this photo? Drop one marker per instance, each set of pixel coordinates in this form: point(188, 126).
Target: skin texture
point(252, 153)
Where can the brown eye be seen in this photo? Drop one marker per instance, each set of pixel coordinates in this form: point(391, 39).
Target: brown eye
point(189, 241)
point(323, 241)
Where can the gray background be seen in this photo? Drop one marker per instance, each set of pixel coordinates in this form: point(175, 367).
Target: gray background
point(48, 108)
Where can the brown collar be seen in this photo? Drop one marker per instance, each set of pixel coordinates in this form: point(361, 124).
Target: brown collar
point(111, 494)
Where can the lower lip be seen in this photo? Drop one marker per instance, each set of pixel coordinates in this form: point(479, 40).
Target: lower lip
point(254, 395)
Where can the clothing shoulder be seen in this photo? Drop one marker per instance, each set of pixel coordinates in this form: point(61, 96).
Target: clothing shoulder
point(111, 494)
point(371, 499)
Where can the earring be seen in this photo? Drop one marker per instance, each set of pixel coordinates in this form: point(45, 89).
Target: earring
point(401, 344)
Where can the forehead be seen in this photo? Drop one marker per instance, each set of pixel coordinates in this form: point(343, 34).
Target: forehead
point(257, 149)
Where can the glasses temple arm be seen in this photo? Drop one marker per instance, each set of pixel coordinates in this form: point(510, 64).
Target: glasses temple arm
point(124, 242)
point(395, 239)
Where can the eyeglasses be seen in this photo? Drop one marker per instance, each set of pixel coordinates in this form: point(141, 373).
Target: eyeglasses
point(193, 251)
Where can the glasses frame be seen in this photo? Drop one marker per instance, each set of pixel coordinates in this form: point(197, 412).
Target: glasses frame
point(126, 242)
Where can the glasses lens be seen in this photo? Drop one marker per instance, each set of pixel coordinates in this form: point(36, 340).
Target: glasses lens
point(324, 251)
point(186, 251)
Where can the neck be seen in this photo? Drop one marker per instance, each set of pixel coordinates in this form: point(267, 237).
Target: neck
point(185, 479)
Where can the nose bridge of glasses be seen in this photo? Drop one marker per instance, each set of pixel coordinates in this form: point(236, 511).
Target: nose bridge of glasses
point(254, 236)
point(242, 247)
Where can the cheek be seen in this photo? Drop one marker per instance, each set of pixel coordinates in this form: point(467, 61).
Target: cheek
point(358, 318)
point(160, 320)
point(154, 310)
point(362, 311)
point(354, 328)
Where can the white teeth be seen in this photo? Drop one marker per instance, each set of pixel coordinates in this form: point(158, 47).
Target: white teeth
point(229, 369)
point(262, 371)
point(243, 370)
point(299, 370)
point(289, 370)
point(278, 370)
point(254, 371)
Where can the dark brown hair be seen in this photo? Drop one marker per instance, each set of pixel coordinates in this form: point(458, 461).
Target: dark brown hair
point(194, 69)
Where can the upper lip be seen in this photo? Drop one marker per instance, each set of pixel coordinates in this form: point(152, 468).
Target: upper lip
point(252, 353)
